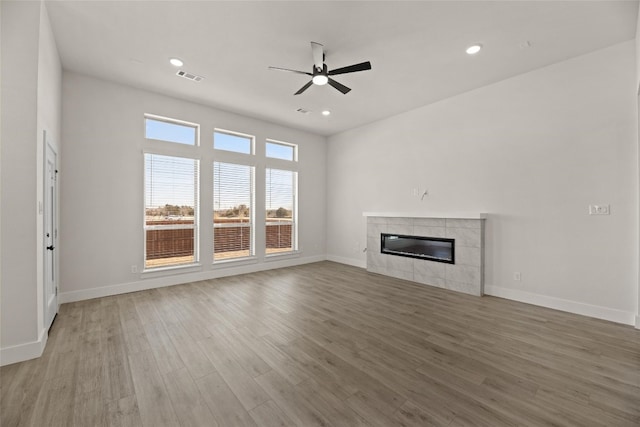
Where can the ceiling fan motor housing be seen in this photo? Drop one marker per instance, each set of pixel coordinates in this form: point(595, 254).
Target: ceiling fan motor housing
point(324, 72)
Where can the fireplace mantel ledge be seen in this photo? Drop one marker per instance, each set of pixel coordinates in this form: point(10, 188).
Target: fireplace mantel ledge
point(451, 215)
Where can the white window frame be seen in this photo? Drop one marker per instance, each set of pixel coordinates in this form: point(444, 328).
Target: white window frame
point(251, 138)
point(172, 149)
point(286, 144)
point(196, 126)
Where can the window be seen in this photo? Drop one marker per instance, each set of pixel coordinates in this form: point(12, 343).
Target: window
point(236, 142)
point(281, 150)
point(171, 210)
point(164, 129)
point(232, 211)
point(172, 190)
point(281, 201)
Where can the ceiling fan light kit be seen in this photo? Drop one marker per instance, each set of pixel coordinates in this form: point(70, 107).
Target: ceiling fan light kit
point(320, 73)
point(320, 79)
point(473, 49)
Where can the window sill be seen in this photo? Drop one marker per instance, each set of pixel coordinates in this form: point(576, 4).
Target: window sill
point(282, 255)
point(235, 261)
point(161, 271)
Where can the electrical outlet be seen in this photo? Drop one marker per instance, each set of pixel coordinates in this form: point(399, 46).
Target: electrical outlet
point(599, 210)
point(134, 268)
point(517, 276)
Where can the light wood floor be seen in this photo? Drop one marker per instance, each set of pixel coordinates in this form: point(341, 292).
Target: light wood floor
point(323, 345)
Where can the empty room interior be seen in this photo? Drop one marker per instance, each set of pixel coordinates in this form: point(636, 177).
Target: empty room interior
point(318, 213)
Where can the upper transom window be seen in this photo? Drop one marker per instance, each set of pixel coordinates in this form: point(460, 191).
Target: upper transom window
point(281, 150)
point(231, 141)
point(164, 129)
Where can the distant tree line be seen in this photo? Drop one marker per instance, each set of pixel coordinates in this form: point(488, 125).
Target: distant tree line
point(170, 210)
point(279, 213)
point(242, 211)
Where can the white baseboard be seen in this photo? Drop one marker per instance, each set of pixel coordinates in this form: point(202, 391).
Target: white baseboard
point(22, 352)
point(638, 322)
point(347, 261)
point(177, 279)
point(599, 312)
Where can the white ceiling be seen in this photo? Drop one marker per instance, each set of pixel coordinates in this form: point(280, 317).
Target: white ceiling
point(417, 49)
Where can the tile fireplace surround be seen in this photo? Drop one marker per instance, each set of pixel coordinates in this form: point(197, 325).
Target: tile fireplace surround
point(466, 275)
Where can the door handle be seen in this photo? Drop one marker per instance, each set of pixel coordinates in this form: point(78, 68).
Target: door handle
point(50, 248)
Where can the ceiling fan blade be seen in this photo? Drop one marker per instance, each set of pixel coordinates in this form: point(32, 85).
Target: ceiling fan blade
point(317, 50)
point(303, 88)
point(363, 66)
point(342, 88)
point(291, 71)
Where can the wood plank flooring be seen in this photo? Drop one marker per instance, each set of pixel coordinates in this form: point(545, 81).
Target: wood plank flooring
point(323, 345)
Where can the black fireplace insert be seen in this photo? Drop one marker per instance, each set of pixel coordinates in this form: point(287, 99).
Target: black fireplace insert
point(429, 248)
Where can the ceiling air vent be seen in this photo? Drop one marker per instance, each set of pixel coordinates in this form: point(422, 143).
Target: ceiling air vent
point(303, 111)
point(189, 76)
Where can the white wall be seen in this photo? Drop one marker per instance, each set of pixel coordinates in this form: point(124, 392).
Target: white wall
point(533, 151)
point(638, 51)
point(31, 75)
point(19, 96)
point(638, 108)
point(102, 186)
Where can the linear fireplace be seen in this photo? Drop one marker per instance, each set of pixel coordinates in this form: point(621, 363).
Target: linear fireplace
point(428, 248)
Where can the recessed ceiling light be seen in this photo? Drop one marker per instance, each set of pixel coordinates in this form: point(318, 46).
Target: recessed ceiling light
point(176, 62)
point(472, 50)
point(326, 112)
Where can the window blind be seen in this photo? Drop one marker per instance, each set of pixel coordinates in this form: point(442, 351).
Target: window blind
point(232, 210)
point(171, 201)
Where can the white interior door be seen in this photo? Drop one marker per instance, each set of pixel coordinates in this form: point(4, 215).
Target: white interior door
point(50, 236)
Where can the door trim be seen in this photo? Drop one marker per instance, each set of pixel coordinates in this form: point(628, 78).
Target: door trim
point(47, 316)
